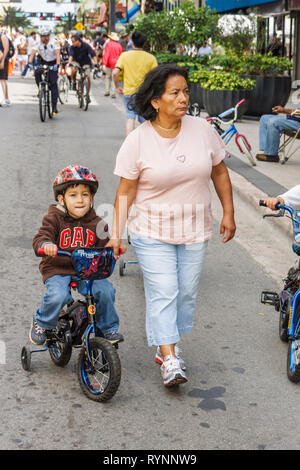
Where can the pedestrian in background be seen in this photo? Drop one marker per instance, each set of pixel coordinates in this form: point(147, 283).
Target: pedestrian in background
point(4, 60)
point(32, 44)
point(111, 54)
point(166, 166)
point(22, 49)
point(134, 64)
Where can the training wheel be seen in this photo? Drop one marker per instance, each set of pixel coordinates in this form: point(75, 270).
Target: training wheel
point(26, 358)
point(122, 267)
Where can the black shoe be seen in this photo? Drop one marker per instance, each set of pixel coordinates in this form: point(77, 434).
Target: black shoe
point(54, 109)
point(74, 86)
point(37, 333)
point(114, 337)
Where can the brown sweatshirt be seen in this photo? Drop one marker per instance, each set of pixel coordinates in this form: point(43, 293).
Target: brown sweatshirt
point(68, 234)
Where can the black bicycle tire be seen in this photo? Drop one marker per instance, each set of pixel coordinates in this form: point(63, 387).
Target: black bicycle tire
point(65, 356)
point(85, 95)
point(115, 369)
point(79, 94)
point(293, 376)
point(42, 104)
point(49, 104)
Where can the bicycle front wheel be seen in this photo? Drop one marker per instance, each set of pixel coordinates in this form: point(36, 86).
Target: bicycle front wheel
point(99, 378)
point(85, 95)
point(42, 104)
point(293, 358)
point(245, 149)
point(63, 89)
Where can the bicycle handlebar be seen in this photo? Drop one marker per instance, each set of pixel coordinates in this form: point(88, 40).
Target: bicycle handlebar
point(41, 252)
point(230, 111)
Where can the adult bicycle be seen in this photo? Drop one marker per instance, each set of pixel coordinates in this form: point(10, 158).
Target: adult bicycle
point(287, 302)
point(98, 364)
point(45, 93)
point(63, 84)
point(227, 134)
point(82, 85)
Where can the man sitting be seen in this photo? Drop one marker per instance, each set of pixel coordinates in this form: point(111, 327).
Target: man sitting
point(270, 129)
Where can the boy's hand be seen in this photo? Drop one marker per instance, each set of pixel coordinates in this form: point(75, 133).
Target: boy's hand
point(117, 246)
point(50, 249)
point(273, 201)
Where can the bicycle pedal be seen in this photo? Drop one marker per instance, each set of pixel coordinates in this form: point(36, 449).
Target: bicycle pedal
point(270, 298)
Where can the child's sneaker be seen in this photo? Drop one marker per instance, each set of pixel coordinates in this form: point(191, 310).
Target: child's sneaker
point(159, 359)
point(37, 333)
point(114, 337)
point(171, 372)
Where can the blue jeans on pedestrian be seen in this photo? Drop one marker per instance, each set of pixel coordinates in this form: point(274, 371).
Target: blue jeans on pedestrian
point(58, 295)
point(270, 129)
point(171, 279)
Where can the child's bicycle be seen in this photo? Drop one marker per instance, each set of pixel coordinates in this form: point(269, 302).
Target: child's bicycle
point(227, 134)
point(98, 364)
point(287, 302)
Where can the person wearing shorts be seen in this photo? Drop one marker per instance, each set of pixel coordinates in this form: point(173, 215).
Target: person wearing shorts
point(4, 60)
point(134, 64)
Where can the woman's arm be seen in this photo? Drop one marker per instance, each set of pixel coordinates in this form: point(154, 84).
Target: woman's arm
point(125, 196)
point(222, 184)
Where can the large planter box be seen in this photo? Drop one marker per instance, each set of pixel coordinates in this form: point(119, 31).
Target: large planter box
point(269, 92)
point(217, 101)
point(196, 94)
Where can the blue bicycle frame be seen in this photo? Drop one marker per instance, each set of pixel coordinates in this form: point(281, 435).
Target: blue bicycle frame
point(294, 323)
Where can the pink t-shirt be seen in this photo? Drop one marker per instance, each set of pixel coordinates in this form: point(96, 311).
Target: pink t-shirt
point(173, 199)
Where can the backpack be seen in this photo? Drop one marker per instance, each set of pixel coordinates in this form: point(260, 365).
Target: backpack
point(11, 48)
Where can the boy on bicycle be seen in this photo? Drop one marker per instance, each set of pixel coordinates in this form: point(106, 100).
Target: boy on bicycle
point(72, 223)
point(290, 198)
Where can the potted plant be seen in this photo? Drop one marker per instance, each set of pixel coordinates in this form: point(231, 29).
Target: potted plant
point(197, 77)
point(222, 90)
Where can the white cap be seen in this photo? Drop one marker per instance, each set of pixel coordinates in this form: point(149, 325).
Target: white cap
point(45, 30)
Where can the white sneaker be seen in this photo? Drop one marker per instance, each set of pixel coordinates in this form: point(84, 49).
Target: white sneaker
point(5, 103)
point(171, 372)
point(159, 359)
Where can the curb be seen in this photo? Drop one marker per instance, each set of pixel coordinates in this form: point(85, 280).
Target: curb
point(251, 195)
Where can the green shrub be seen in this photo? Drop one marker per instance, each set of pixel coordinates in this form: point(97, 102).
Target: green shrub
point(219, 80)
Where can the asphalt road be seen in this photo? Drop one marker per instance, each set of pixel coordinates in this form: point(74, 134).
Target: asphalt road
point(237, 396)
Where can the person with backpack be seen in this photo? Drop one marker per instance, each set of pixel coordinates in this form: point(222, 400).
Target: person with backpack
point(4, 60)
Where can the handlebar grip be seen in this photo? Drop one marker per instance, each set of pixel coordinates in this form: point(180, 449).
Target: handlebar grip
point(241, 102)
point(261, 203)
point(41, 252)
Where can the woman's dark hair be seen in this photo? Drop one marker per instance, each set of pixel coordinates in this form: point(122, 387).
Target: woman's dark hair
point(153, 87)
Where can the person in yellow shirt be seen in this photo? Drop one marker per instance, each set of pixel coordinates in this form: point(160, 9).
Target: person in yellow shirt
point(134, 64)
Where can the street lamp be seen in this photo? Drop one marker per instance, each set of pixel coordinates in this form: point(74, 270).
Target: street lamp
point(112, 15)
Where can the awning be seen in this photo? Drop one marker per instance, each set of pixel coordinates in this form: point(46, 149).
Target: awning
point(231, 5)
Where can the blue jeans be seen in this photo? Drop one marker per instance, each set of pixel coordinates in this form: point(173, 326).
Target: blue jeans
point(171, 279)
point(270, 129)
point(58, 295)
point(130, 114)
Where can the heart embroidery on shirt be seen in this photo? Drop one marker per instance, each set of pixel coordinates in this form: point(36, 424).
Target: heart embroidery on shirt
point(181, 158)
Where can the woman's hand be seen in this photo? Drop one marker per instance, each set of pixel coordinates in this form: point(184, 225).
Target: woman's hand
point(227, 228)
point(118, 247)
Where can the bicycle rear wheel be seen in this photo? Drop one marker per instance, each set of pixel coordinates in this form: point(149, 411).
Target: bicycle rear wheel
point(245, 149)
point(99, 378)
point(49, 104)
point(42, 104)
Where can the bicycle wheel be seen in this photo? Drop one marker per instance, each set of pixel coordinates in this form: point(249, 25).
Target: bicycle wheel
point(245, 149)
point(79, 93)
point(63, 89)
point(293, 357)
point(283, 321)
point(100, 378)
point(49, 104)
point(85, 95)
point(42, 104)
